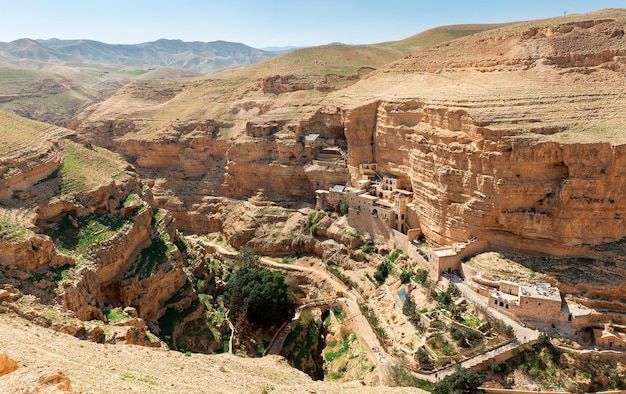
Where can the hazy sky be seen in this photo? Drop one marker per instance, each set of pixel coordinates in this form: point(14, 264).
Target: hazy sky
point(260, 23)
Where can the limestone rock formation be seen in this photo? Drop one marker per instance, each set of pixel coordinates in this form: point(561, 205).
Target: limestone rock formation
point(496, 134)
point(79, 233)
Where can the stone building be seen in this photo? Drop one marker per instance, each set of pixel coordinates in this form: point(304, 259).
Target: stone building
point(538, 303)
point(609, 337)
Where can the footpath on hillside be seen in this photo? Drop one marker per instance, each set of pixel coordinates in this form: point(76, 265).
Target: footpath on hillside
point(365, 334)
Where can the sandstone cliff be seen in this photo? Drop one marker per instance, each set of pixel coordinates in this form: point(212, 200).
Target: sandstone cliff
point(79, 232)
point(511, 135)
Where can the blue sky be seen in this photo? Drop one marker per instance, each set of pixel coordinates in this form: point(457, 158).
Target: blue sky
point(261, 23)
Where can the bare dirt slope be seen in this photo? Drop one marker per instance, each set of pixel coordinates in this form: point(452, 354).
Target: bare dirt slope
point(113, 369)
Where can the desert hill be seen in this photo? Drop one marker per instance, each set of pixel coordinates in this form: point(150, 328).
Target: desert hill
point(41, 354)
point(476, 96)
point(52, 80)
point(202, 57)
point(512, 135)
point(437, 35)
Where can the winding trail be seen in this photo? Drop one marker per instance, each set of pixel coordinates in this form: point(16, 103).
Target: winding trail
point(367, 338)
point(350, 302)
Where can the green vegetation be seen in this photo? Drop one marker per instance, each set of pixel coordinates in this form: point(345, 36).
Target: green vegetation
point(82, 236)
point(402, 377)
point(151, 257)
point(115, 315)
point(382, 272)
point(333, 269)
point(374, 322)
point(555, 369)
point(259, 294)
point(133, 73)
point(368, 247)
point(301, 344)
point(385, 268)
point(421, 276)
point(289, 260)
point(460, 382)
point(405, 277)
point(334, 350)
point(354, 235)
point(409, 309)
point(247, 257)
point(11, 231)
point(85, 168)
point(310, 226)
point(344, 206)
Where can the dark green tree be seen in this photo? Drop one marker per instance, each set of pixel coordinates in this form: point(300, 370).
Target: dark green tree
point(421, 276)
point(247, 257)
point(405, 277)
point(462, 381)
point(422, 356)
point(259, 294)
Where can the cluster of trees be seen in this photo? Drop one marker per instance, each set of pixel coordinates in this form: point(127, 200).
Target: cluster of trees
point(462, 381)
point(464, 337)
point(409, 309)
point(259, 294)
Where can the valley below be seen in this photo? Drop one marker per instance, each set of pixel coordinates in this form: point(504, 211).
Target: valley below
point(332, 219)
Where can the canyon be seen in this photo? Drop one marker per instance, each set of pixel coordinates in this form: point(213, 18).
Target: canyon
point(512, 136)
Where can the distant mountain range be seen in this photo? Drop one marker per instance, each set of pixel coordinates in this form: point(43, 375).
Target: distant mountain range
point(203, 57)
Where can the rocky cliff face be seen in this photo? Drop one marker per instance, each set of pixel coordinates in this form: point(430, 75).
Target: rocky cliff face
point(78, 229)
point(512, 136)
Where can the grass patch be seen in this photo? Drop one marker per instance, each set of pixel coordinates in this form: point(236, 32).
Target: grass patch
point(115, 315)
point(84, 169)
point(89, 232)
point(13, 232)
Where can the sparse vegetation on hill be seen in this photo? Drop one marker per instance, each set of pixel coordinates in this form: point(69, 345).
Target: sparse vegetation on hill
point(437, 35)
point(237, 157)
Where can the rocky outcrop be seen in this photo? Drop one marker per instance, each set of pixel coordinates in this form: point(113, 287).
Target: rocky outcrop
point(513, 136)
point(7, 365)
point(36, 379)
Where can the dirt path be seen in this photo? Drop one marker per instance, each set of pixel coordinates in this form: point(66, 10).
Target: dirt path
point(350, 302)
point(365, 333)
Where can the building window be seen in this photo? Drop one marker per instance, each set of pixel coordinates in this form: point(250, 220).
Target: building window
point(495, 302)
point(507, 306)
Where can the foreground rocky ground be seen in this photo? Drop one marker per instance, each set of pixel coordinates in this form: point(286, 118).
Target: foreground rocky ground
point(97, 368)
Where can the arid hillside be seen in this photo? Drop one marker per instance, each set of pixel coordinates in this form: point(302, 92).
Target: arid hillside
point(53, 80)
point(127, 226)
point(46, 358)
point(505, 135)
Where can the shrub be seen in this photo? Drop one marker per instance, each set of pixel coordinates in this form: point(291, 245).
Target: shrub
point(402, 377)
point(382, 272)
point(310, 226)
point(344, 206)
point(421, 276)
point(368, 248)
point(405, 277)
point(422, 356)
point(461, 381)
